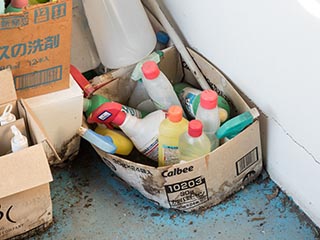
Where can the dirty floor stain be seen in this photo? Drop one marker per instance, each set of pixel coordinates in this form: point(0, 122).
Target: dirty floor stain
point(89, 202)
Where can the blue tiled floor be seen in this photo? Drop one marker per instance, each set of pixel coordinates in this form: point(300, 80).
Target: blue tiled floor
point(89, 202)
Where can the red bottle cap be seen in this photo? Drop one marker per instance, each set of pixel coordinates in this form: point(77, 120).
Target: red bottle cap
point(150, 70)
point(119, 119)
point(19, 3)
point(208, 99)
point(175, 114)
point(105, 113)
point(195, 128)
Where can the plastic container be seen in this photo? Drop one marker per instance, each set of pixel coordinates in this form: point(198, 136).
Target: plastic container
point(121, 31)
point(190, 99)
point(123, 144)
point(235, 125)
point(158, 86)
point(7, 116)
point(170, 130)
point(2, 7)
point(34, 2)
point(90, 104)
point(208, 114)
point(142, 132)
point(16, 6)
point(193, 143)
point(18, 141)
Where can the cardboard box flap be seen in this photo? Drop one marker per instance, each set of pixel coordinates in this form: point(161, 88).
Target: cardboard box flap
point(29, 164)
point(7, 89)
point(37, 132)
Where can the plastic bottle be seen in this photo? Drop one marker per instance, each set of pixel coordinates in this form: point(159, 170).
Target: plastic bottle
point(16, 6)
point(235, 125)
point(190, 99)
point(142, 132)
point(170, 130)
point(193, 143)
point(18, 141)
point(121, 31)
point(7, 116)
point(34, 2)
point(162, 40)
point(105, 143)
point(208, 114)
point(123, 144)
point(90, 104)
point(158, 86)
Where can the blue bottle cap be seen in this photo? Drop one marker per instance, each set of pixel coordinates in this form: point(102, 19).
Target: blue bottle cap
point(162, 37)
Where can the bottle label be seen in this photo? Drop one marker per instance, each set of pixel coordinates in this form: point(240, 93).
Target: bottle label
point(132, 111)
point(171, 154)
point(151, 149)
point(188, 97)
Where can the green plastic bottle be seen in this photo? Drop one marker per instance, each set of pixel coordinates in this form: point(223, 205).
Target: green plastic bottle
point(90, 104)
point(34, 2)
point(190, 99)
point(16, 6)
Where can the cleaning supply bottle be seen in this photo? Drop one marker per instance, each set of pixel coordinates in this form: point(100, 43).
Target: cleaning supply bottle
point(16, 6)
point(142, 132)
point(123, 144)
point(18, 141)
point(162, 40)
point(34, 2)
point(104, 143)
point(170, 130)
point(235, 125)
point(208, 114)
point(7, 116)
point(90, 104)
point(158, 86)
point(121, 31)
point(190, 99)
point(193, 143)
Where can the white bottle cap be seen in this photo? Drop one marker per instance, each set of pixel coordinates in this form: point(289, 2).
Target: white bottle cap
point(19, 141)
point(254, 112)
point(7, 116)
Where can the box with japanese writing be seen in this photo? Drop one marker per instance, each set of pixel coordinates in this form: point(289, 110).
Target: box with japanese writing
point(36, 45)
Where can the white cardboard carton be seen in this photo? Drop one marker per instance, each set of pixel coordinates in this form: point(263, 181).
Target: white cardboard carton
point(205, 181)
point(25, 201)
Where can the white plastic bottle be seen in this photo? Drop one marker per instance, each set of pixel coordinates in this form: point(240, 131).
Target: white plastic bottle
point(142, 132)
point(2, 8)
point(7, 116)
point(158, 86)
point(208, 114)
point(18, 142)
point(193, 143)
point(121, 31)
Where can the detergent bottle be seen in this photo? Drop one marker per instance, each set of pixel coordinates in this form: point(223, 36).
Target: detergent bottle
point(170, 130)
point(158, 86)
point(190, 99)
point(123, 144)
point(142, 132)
point(208, 114)
point(18, 141)
point(16, 6)
point(193, 143)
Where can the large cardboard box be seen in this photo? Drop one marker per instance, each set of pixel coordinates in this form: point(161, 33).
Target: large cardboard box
point(36, 45)
point(25, 201)
point(205, 181)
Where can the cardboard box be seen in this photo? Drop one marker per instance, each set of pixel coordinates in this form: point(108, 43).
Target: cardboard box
point(35, 44)
point(25, 201)
point(206, 181)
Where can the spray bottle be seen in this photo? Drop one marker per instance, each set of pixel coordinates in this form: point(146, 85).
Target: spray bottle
point(7, 116)
point(18, 142)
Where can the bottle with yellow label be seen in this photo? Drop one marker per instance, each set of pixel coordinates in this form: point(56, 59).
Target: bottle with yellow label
point(170, 130)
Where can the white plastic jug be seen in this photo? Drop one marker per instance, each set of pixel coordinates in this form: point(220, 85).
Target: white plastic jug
point(121, 30)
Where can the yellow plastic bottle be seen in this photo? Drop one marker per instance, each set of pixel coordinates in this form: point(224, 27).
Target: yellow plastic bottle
point(124, 144)
point(170, 130)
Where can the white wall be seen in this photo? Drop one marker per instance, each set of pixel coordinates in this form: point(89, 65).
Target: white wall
point(271, 51)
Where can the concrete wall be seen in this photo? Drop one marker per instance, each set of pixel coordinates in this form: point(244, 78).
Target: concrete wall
point(270, 50)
